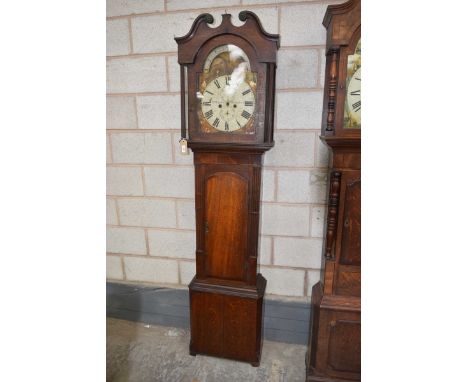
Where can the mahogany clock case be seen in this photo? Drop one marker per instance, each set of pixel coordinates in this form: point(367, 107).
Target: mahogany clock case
point(334, 346)
point(226, 294)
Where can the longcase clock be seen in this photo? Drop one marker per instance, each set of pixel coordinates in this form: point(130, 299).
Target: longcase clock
point(227, 99)
point(334, 348)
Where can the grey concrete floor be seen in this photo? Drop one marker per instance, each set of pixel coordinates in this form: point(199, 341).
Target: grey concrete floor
point(147, 353)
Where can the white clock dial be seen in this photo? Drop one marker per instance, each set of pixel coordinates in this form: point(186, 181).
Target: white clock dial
point(354, 96)
point(227, 104)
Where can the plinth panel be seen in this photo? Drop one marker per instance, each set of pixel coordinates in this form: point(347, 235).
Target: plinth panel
point(334, 351)
point(226, 325)
point(207, 325)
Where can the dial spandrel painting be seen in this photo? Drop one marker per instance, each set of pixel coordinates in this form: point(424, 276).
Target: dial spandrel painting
point(352, 110)
point(227, 92)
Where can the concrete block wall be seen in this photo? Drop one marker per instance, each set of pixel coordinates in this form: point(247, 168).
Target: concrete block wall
point(150, 186)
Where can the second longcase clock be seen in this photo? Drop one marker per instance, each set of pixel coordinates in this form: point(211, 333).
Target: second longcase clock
point(334, 352)
point(227, 87)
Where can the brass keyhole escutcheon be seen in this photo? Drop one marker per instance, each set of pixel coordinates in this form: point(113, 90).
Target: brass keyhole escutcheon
point(346, 223)
point(207, 228)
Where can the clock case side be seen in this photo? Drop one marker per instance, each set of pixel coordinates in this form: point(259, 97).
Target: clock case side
point(343, 23)
point(260, 46)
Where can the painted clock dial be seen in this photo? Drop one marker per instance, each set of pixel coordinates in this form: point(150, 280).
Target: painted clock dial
point(227, 88)
point(352, 116)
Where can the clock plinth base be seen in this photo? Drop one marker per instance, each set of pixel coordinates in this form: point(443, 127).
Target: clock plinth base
point(226, 320)
point(334, 349)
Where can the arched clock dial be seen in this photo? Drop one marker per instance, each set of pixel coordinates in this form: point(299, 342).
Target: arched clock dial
point(227, 104)
point(353, 97)
point(352, 112)
point(227, 92)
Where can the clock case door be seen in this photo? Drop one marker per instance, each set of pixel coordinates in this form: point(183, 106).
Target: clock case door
point(227, 199)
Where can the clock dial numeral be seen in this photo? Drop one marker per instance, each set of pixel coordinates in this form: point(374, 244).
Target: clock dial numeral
point(246, 92)
point(216, 82)
point(356, 92)
point(358, 78)
point(207, 91)
point(248, 103)
point(216, 122)
point(238, 123)
point(207, 103)
point(209, 114)
point(357, 106)
point(228, 79)
point(246, 114)
point(226, 126)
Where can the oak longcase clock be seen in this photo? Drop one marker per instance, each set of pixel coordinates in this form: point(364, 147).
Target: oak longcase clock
point(227, 99)
point(334, 348)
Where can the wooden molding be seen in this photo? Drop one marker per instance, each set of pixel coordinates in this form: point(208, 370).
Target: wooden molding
point(333, 202)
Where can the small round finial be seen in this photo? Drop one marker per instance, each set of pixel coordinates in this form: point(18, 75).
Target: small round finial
point(208, 18)
point(243, 15)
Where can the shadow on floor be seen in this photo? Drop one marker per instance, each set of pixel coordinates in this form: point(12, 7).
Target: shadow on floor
point(138, 352)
